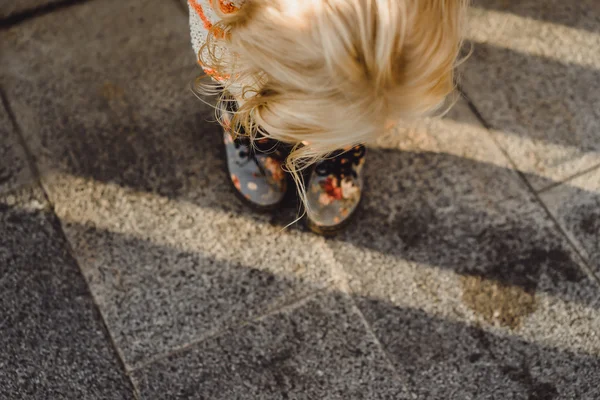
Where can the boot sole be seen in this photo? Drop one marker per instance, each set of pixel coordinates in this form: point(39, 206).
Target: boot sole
point(331, 231)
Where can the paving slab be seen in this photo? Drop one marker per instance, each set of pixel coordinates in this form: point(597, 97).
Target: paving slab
point(131, 161)
point(9, 8)
point(321, 349)
point(576, 206)
point(469, 285)
point(532, 76)
point(53, 344)
point(443, 359)
point(14, 170)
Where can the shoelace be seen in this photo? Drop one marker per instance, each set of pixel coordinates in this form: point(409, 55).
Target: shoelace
point(248, 150)
point(265, 146)
point(341, 162)
point(268, 146)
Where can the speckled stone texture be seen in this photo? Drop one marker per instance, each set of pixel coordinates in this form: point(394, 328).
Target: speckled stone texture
point(319, 350)
point(576, 206)
point(12, 7)
point(444, 359)
point(468, 284)
point(533, 76)
point(453, 282)
point(13, 163)
point(131, 162)
point(53, 344)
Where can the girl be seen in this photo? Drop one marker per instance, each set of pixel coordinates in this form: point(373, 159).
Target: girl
point(304, 83)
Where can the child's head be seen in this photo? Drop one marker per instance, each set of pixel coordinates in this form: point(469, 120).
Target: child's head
point(334, 73)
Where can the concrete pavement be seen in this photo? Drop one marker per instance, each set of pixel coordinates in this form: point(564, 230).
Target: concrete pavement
point(129, 270)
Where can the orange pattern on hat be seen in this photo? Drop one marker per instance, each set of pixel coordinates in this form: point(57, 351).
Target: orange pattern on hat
point(200, 11)
point(212, 73)
point(217, 32)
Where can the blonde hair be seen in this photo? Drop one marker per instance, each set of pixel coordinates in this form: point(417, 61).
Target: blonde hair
point(329, 74)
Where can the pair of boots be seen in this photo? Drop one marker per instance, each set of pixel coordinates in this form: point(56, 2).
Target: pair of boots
point(334, 186)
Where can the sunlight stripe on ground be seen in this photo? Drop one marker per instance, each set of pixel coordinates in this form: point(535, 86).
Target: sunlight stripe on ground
point(543, 159)
point(536, 38)
point(420, 136)
point(77, 209)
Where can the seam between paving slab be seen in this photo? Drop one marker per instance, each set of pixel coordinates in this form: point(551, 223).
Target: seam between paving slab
point(380, 346)
point(569, 179)
point(290, 305)
point(59, 228)
point(584, 262)
point(29, 159)
point(489, 127)
point(343, 286)
point(339, 285)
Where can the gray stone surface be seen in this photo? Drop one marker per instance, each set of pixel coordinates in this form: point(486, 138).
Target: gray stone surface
point(570, 14)
point(464, 279)
point(576, 206)
point(53, 344)
point(320, 350)
point(14, 170)
point(533, 76)
point(12, 7)
point(468, 284)
point(444, 359)
point(132, 165)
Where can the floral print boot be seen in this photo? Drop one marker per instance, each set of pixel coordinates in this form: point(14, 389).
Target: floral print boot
point(256, 172)
point(335, 190)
